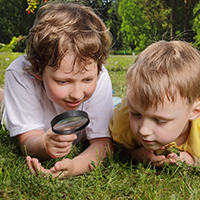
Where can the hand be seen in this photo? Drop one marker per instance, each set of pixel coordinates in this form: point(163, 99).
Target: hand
point(157, 160)
point(61, 169)
point(188, 158)
point(173, 158)
point(58, 145)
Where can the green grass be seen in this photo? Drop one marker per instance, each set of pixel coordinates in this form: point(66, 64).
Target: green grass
point(5, 60)
point(117, 67)
point(117, 178)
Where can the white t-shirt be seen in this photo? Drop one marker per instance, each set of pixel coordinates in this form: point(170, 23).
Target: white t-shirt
point(27, 106)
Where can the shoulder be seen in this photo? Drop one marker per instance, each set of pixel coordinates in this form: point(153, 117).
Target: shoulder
point(120, 120)
point(103, 91)
point(122, 109)
point(103, 75)
point(18, 64)
point(120, 127)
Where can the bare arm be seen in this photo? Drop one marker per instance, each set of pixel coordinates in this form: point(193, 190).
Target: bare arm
point(99, 148)
point(43, 145)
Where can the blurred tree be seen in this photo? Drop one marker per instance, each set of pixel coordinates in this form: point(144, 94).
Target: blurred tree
point(114, 23)
point(14, 20)
point(196, 24)
point(134, 26)
point(144, 21)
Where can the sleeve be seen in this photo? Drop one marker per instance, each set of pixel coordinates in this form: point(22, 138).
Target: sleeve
point(23, 110)
point(100, 108)
point(120, 127)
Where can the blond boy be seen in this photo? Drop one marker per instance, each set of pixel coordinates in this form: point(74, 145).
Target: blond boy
point(162, 107)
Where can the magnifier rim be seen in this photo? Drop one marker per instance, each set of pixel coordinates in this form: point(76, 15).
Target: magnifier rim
point(71, 113)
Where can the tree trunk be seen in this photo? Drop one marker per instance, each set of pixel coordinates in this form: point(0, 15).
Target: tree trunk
point(173, 20)
point(186, 22)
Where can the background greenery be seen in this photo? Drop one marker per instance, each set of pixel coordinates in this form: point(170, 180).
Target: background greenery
point(134, 24)
point(116, 179)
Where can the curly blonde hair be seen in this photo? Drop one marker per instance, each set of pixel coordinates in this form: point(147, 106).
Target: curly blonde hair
point(61, 28)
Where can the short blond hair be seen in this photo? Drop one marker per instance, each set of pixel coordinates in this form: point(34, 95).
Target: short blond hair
point(60, 28)
point(165, 69)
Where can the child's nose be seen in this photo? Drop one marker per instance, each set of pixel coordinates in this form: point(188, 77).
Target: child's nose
point(76, 92)
point(145, 129)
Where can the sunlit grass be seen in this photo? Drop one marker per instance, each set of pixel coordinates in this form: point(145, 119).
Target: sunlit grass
point(5, 60)
point(117, 67)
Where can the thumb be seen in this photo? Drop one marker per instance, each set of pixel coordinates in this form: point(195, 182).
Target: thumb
point(61, 165)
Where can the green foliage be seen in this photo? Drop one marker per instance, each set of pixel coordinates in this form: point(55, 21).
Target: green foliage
point(113, 22)
point(17, 44)
point(122, 52)
point(4, 48)
point(196, 24)
point(132, 22)
point(15, 21)
point(33, 4)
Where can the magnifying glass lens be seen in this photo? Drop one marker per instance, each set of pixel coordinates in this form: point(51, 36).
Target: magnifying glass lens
point(70, 122)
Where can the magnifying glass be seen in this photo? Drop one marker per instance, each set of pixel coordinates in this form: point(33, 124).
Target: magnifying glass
point(70, 122)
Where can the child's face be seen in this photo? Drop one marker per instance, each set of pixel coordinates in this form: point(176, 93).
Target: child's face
point(67, 88)
point(158, 127)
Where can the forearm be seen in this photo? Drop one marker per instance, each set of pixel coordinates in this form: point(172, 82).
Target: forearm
point(95, 153)
point(34, 146)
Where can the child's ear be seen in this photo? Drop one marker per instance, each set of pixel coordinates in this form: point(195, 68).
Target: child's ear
point(38, 76)
point(195, 111)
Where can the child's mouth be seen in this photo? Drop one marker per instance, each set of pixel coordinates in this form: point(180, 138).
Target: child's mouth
point(73, 104)
point(147, 141)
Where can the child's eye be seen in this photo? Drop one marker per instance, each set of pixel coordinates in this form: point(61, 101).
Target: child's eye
point(135, 114)
point(62, 82)
point(160, 121)
point(88, 80)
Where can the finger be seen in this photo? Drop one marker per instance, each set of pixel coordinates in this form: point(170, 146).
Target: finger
point(155, 159)
point(38, 168)
point(58, 152)
point(173, 156)
point(36, 165)
point(64, 164)
point(62, 168)
point(58, 144)
point(30, 166)
point(167, 161)
point(64, 138)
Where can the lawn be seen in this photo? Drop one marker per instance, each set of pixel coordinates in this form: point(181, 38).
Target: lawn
point(117, 178)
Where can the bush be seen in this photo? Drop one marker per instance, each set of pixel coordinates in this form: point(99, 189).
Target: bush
point(124, 52)
point(121, 52)
point(17, 44)
point(4, 48)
